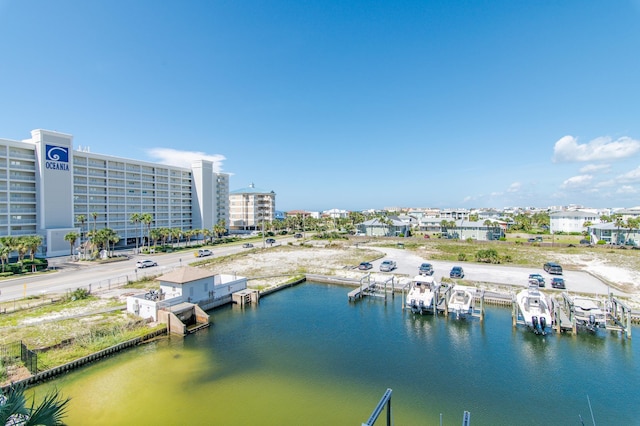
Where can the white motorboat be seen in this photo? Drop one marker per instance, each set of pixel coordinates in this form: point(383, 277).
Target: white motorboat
point(420, 298)
point(589, 313)
point(461, 301)
point(534, 309)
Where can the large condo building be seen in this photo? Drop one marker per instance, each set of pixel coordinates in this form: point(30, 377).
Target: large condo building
point(45, 185)
point(250, 207)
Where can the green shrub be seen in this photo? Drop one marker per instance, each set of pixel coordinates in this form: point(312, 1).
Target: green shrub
point(462, 257)
point(78, 294)
point(5, 274)
point(601, 242)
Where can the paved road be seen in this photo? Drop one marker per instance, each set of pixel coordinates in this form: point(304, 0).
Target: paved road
point(73, 275)
point(408, 263)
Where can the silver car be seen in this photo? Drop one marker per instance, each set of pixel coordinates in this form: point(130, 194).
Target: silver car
point(387, 266)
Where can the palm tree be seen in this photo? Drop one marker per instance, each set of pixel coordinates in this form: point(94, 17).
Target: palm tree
point(147, 219)
point(71, 237)
point(33, 242)
point(619, 223)
point(22, 248)
point(219, 228)
point(5, 251)
point(632, 223)
point(206, 233)
point(175, 233)
point(14, 411)
point(135, 219)
point(94, 215)
point(82, 219)
point(155, 234)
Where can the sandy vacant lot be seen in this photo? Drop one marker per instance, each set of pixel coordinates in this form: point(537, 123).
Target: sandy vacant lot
point(265, 268)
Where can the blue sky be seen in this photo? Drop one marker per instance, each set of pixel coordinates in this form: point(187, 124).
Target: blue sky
point(344, 104)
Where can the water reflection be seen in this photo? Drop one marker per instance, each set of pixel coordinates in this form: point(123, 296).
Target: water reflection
point(307, 356)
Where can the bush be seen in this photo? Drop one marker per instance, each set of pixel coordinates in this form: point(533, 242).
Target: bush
point(487, 256)
point(78, 294)
point(5, 274)
point(601, 242)
point(462, 257)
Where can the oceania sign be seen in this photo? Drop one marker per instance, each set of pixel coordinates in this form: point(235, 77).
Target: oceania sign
point(57, 157)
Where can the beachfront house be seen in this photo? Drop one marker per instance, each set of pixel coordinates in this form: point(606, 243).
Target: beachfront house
point(194, 286)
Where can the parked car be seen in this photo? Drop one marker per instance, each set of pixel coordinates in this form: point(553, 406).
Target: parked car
point(425, 269)
point(552, 268)
point(557, 282)
point(145, 263)
point(426, 236)
point(536, 279)
point(203, 253)
point(365, 266)
point(297, 236)
point(456, 272)
point(247, 245)
point(387, 265)
point(270, 241)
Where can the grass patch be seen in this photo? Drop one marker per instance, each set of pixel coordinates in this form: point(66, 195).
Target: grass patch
point(96, 340)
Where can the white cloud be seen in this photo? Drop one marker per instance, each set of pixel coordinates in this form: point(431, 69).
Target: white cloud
point(174, 157)
point(605, 183)
point(593, 168)
point(626, 189)
point(567, 149)
point(514, 187)
point(579, 181)
point(632, 176)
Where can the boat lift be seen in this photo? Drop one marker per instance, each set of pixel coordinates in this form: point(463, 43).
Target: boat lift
point(618, 316)
point(478, 296)
point(370, 287)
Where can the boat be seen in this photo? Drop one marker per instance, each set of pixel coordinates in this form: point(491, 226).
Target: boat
point(588, 313)
point(461, 301)
point(534, 309)
point(420, 298)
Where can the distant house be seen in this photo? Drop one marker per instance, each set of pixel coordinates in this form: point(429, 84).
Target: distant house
point(390, 226)
point(463, 229)
point(611, 234)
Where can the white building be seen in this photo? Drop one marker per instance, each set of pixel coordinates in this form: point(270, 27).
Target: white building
point(187, 285)
point(249, 207)
point(45, 185)
point(571, 221)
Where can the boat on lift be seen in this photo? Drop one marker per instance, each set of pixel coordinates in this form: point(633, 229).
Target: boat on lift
point(421, 297)
point(588, 313)
point(461, 301)
point(534, 309)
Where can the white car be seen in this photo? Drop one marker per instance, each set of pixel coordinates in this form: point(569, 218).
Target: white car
point(145, 263)
point(204, 252)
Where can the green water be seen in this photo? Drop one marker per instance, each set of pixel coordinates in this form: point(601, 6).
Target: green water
point(306, 356)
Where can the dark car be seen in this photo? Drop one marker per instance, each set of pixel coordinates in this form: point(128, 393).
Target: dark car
point(557, 283)
point(425, 269)
point(552, 268)
point(297, 236)
point(536, 279)
point(365, 266)
point(456, 272)
point(270, 241)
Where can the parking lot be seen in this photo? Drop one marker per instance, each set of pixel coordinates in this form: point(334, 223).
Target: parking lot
point(408, 264)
